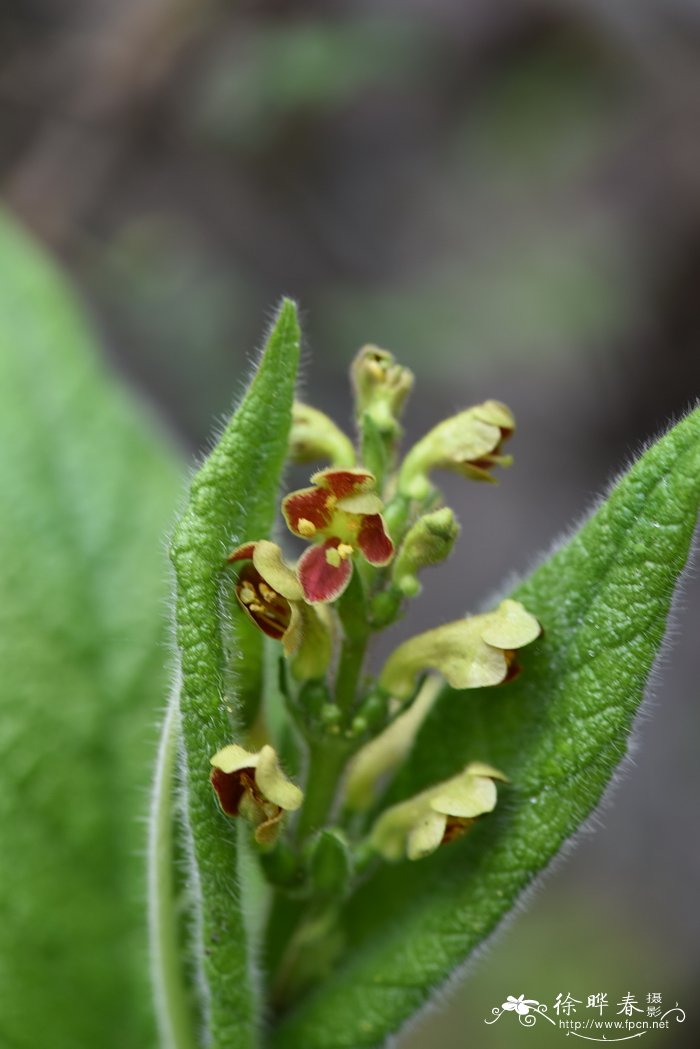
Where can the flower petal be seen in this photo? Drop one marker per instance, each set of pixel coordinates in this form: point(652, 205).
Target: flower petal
point(273, 783)
point(266, 832)
point(234, 757)
point(229, 788)
point(320, 580)
point(292, 637)
point(345, 483)
point(242, 553)
point(364, 503)
point(374, 541)
point(510, 626)
point(426, 836)
point(466, 796)
point(310, 505)
point(268, 559)
point(497, 414)
point(480, 768)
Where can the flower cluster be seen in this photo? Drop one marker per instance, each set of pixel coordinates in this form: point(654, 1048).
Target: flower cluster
point(370, 525)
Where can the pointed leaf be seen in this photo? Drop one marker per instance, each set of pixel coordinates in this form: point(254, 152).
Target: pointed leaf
point(87, 491)
point(558, 732)
point(232, 500)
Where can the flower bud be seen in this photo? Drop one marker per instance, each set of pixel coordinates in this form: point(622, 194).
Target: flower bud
point(468, 443)
point(428, 542)
point(474, 652)
point(313, 436)
point(381, 388)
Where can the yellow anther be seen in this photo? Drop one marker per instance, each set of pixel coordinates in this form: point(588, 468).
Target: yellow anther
point(267, 592)
point(344, 551)
point(247, 593)
point(306, 528)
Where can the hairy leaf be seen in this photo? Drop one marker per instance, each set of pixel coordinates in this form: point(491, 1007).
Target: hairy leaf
point(87, 491)
point(232, 499)
point(558, 731)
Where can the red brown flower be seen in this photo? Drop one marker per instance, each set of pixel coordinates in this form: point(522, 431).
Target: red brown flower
point(341, 513)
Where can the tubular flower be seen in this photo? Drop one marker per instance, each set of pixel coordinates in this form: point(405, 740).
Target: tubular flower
point(470, 653)
point(383, 754)
point(271, 596)
point(314, 436)
point(469, 443)
point(342, 510)
point(253, 786)
point(418, 826)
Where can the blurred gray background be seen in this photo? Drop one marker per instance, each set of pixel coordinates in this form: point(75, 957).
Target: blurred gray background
point(507, 195)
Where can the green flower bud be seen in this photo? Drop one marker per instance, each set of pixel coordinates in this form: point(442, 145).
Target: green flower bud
point(429, 541)
point(331, 717)
point(470, 653)
point(468, 443)
point(281, 865)
point(314, 436)
point(381, 388)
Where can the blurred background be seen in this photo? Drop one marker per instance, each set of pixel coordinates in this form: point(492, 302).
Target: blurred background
point(507, 195)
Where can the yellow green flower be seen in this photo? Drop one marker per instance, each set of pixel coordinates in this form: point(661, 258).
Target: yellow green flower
point(314, 436)
point(469, 443)
point(252, 785)
point(383, 754)
point(271, 596)
point(470, 653)
point(416, 827)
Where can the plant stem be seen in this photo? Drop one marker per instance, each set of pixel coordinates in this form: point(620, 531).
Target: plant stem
point(327, 759)
point(352, 610)
point(170, 992)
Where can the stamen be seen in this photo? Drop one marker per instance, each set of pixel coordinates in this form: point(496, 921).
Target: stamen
point(267, 592)
point(333, 557)
point(344, 551)
point(306, 528)
point(247, 593)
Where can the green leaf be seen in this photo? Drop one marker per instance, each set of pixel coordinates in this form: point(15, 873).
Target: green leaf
point(87, 491)
point(558, 731)
point(232, 500)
